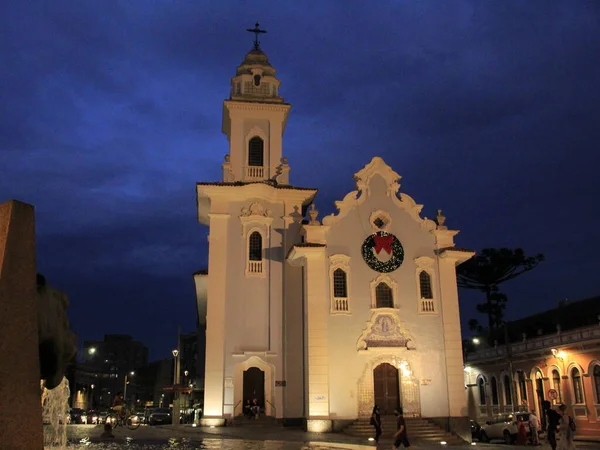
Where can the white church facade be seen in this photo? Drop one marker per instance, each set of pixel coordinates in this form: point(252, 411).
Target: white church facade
point(321, 319)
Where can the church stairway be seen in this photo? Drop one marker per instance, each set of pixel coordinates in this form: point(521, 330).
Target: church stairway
point(419, 430)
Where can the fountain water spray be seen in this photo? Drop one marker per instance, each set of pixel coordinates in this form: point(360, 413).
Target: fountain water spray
point(55, 413)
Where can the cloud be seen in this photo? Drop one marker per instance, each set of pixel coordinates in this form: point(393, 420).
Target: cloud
point(111, 112)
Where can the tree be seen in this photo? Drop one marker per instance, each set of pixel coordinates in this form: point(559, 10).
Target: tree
point(486, 271)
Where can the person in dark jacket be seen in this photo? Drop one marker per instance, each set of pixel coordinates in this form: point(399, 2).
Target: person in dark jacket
point(401, 436)
point(376, 422)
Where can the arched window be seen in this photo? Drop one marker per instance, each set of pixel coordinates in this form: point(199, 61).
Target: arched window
point(340, 287)
point(522, 386)
point(383, 296)
point(255, 152)
point(255, 247)
point(425, 285)
point(507, 390)
point(494, 391)
point(596, 375)
point(556, 385)
point(482, 396)
point(577, 386)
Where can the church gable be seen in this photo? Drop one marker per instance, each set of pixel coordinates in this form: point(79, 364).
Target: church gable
point(371, 179)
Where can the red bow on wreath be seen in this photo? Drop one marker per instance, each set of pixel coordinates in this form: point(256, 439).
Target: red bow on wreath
point(383, 242)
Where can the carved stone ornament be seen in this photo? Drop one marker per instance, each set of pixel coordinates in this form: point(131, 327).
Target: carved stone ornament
point(377, 166)
point(313, 213)
point(255, 209)
point(384, 330)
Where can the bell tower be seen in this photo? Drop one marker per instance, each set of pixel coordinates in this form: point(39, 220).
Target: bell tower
point(254, 119)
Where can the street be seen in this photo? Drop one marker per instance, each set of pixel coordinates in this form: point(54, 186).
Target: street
point(229, 438)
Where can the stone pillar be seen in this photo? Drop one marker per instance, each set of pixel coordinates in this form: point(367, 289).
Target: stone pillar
point(457, 405)
point(20, 394)
point(214, 377)
point(317, 307)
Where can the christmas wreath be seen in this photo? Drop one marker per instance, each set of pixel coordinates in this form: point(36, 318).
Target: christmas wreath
point(378, 242)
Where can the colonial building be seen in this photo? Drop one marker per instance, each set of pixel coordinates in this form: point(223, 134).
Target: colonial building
point(554, 356)
point(321, 319)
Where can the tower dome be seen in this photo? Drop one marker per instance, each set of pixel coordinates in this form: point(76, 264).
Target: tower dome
point(255, 79)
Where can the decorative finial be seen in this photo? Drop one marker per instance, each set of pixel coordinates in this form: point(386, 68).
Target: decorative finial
point(227, 158)
point(440, 220)
point(256, 30)
point(284, 160)
point(313, 213)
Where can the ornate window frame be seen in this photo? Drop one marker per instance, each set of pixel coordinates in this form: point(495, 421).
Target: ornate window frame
point(384, 278)
point(570, 370)
point(255, 218)
point(595, 386)
point(426, 306)
point(384, 216)
point(552, 381)
point(339, 306)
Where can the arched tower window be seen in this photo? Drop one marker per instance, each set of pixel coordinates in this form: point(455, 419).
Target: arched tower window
point(577, 385)
point(481, 387)
point(425, 285)
point(256, 152)
point(255, 247)
point(383, 296)
point(494, 391)
point(340, 286)
point(507, 390)
point(556, 385)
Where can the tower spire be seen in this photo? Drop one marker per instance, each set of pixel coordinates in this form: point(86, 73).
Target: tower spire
point(256, 30)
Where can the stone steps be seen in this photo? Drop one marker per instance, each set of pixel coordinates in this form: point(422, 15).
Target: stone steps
point(419, 429)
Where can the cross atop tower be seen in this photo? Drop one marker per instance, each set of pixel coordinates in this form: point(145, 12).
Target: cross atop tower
point(256, 30)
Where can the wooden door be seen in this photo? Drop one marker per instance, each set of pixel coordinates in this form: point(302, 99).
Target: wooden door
point(254, 385)
point(387, 388)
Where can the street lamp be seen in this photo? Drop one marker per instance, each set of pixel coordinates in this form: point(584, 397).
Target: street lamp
point(476, 341)
point(126, 382)
point(176, 406)
point(92, 350)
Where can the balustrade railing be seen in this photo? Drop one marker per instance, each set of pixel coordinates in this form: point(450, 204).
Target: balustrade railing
point(340, 304)
point(255, 267)
point(427, 305)
point(255, 172)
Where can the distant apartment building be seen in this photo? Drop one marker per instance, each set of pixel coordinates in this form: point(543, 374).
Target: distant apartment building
point(108, 365)
point(554, 356)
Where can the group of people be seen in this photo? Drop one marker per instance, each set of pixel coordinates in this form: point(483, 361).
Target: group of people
point(557, 421)
point(400, 436)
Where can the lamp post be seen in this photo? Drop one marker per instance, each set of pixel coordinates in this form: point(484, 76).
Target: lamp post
point(125, 386)
point(176, 407)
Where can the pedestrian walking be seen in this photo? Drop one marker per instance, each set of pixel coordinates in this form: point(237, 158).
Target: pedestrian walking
point(401, 436)
point(376, 422)
point(534, 427)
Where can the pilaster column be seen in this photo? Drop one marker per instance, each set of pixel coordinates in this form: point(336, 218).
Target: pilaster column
point(315, 288)
point(214, 377)
point(452, 337)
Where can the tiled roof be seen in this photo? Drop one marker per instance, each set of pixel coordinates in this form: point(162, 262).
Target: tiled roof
point(244, 183)
point(201, 272)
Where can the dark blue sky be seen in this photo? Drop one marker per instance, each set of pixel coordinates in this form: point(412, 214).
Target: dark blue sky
point(110, 112)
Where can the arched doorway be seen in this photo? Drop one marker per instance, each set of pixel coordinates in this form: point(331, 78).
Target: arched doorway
point(386, 388)
point(254, 385)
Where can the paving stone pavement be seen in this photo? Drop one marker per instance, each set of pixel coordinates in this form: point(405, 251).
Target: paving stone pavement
point(185, 437)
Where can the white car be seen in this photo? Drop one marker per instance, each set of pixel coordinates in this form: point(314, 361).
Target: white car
point(504, 426)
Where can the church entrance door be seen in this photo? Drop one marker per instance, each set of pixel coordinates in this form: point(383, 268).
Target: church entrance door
point(254, 386)
point(387, 388)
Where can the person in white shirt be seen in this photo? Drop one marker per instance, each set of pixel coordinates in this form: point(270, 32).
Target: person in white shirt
point(534, 426)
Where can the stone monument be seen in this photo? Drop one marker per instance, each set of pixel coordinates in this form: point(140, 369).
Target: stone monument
point(20, 405)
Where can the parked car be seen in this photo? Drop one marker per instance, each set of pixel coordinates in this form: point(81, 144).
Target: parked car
point(160, 415)
point(503, 427)
point(78, 416)
point(475, 430)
